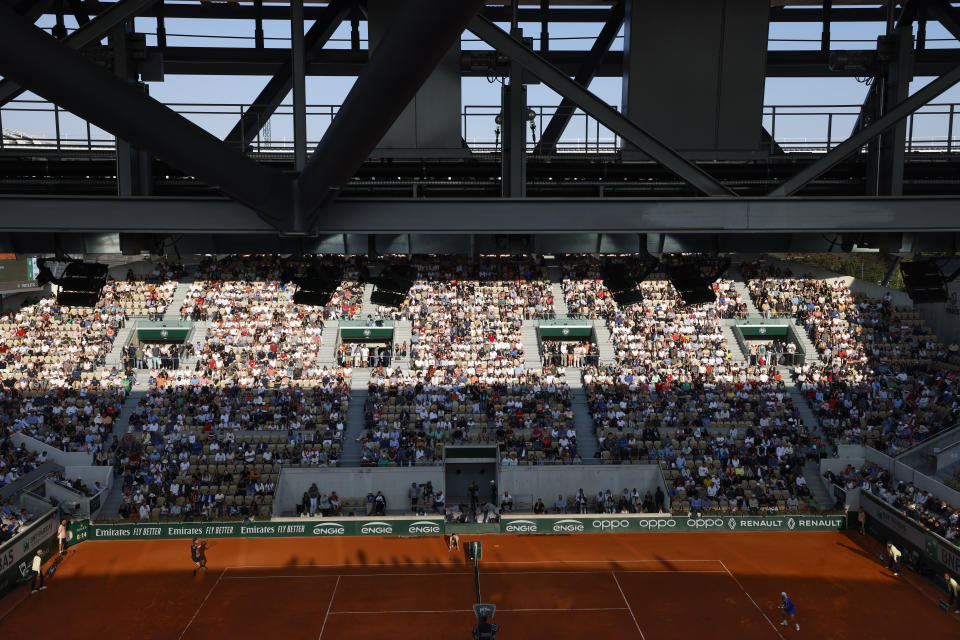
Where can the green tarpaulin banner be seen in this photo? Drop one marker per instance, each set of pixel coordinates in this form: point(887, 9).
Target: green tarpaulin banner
point(158, 335)
point(566, 332)
point(766, 331)
point(16, 555)
point(366, 333)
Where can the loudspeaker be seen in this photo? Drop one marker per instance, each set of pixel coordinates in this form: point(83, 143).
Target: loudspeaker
point(311, 298)
point(626, 298)
point(924, 281)
point(396, 277)
point(78, 298)
point(387, 298)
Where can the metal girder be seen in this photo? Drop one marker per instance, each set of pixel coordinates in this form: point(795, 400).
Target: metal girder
point(858, 139)
point(907, 16)
point(93, 31)
point(31, 11)
point(94, 94)
point(480, 64)
point(597, 108)
point(423, 32)
point(237, 11)
point(84, 214)
point(585, 74)
point(280, 84)
point(945, 14)
point(298, 61)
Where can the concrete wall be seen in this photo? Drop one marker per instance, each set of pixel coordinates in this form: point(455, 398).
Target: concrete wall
point(458, 476)
point(529, 483)
point(13, 301)
point(90, 475)
point(63, 458)
point(526, 484)
point(355, 483)
point(904, 473)
point(837, 465)
point(944, 318)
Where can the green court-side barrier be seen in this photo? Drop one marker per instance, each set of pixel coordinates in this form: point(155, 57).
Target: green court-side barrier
point(393, 526)
point(278, 529)
point(640, 523)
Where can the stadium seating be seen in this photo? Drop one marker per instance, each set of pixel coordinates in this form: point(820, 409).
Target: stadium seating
point(209, 437)
point(885, 380)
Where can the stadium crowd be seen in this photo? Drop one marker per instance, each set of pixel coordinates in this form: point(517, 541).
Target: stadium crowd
point(919, 505)
point(467, 382)
point(883, 378)
point(209, 436)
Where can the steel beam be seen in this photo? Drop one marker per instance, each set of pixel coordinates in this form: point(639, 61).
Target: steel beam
point(760, 215)
point(280, 84)
point(479, 64)
point(91, 32)
point(885, 164)
point(594, 106)
point(858, 139)
point(585, 74)
point(907, 16)
point(237, 11)
point(421, 35)
point(298, 61)
point(945, 14)
point(123, 110)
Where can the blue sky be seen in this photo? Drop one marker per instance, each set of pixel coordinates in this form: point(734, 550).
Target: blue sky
point(806, 123)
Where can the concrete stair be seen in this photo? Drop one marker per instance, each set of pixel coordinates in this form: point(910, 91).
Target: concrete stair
point(807, 415)
point(179, 295)
point(811, 470)
point(402, 332)
point(197, 337)
point(817, 486)
point(813, 356)
point(531, 345)
point(350, 453)
point(604, 342)
point(115, 357)
point(111, 506)
point(733, 345)
point(740, 284)
point(368, 308)
point(327, 354)
point(555, 273)
point(586, 436)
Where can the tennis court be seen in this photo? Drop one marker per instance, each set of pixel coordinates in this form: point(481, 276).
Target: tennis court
point(648, 586)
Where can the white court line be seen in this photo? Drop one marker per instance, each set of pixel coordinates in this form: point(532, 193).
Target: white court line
point(632, 615)
point(203, 602)
point(499, 610)
point(460, 573)
point(762, 612)
point(329, 606)
point(485, 563)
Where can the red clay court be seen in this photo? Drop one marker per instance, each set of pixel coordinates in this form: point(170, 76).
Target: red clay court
point(648, 586)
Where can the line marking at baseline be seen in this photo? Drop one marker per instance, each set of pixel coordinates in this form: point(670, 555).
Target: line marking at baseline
point(203, 602)
point(329, 606)
point(626, 602)
point(762, 612)
point(499, 610)
point(317, 576)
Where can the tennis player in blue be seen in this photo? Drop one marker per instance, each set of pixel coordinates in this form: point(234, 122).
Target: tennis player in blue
point(788, 610)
